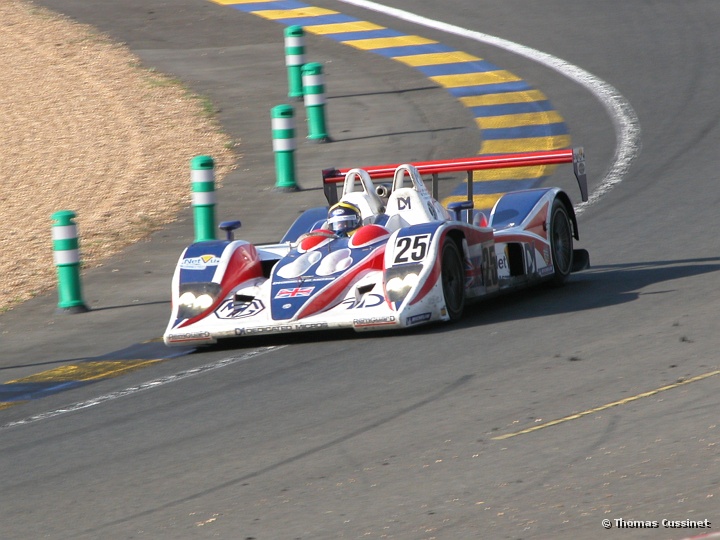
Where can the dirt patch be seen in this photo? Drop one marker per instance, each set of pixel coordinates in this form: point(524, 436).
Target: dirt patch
point(87, 128)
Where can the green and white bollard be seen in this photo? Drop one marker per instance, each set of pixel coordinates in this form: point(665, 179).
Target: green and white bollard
point(202, 177)
point(284, 144)
point(314, 91)
point(294, 60)
point(66, 253)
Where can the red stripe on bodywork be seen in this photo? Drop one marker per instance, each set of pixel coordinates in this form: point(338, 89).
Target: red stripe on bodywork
point(473, 237)
point(433, 276)
point(537, 223)
point(243, 265)
point(429, 282)
point(518, 237)
point(338, 288)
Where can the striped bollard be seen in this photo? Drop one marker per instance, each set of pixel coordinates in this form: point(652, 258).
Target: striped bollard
point(314, 91)
point(66, 253)
point(294, 60)
point(283, 135)
point(202, 177)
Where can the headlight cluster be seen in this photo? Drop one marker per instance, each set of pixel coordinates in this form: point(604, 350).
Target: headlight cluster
point(196, 298)
point(400, 280)
point(190, 301)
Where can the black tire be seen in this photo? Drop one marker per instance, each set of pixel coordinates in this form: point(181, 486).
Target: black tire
point(561, 243)
point(453, 280)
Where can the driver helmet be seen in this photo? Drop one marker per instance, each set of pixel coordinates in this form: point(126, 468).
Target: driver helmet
point(343, 217)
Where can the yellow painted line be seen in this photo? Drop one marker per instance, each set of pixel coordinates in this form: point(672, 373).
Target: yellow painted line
point(480, 201)
point(508, 146)
point(475, 79)
point(434, 59)
point(517, 120)
point(504, 98)
point(340, 28)
point(231, 2)
point(521, 174)
point(277, 14)
point(8, 404)
point(513, 173)
point(386, 43)
point(608, 406)
point(86, 371)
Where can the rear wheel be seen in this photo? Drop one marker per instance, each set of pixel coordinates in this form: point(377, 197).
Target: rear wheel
point(561, 243)
point(453, 280)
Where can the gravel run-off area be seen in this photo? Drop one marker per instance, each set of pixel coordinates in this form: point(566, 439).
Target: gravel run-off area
point(87, 128)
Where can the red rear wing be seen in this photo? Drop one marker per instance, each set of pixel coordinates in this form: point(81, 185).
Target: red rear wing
point(576, 156)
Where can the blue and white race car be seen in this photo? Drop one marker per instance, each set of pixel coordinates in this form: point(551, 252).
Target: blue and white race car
point(409, 261)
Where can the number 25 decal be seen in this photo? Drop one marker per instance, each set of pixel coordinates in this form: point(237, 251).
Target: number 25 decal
point(490, 266)
point(412, 248)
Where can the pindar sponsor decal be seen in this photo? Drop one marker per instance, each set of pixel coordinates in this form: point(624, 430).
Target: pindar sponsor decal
point(374, 321)
point(199, 263)
point(189, 336)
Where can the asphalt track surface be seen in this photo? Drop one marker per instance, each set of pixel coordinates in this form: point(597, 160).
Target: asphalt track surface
point(538, 416)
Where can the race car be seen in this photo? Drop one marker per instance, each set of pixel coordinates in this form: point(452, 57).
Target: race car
point(409, 261)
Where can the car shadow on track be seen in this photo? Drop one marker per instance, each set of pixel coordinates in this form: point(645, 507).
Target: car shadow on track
point(600, 286)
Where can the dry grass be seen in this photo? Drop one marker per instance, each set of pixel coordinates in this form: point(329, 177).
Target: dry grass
point(85, 128)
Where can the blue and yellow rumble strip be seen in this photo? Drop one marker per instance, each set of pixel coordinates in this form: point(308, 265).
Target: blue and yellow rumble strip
point(84, 372)
point(510, 114)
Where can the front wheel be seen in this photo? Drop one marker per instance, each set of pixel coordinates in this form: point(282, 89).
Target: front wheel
point(453, 280)
point(561, 243)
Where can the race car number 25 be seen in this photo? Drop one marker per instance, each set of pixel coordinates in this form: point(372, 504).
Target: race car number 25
point(411, 248)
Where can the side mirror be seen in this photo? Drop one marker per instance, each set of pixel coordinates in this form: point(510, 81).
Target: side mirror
point(458, 207)
point(229, 227)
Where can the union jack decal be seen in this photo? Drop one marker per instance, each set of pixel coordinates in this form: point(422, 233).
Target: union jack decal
point(473, 271)
point(292, 293)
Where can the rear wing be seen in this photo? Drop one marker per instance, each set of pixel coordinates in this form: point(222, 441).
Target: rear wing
point(332, 177)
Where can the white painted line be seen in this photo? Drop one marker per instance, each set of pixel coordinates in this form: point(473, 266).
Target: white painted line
point(625, 121)
point(141, 387)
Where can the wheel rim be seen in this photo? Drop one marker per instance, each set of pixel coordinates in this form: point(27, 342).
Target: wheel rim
point(562, 242)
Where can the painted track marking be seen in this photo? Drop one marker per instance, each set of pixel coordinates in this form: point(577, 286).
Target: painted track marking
point(142, 387)
point(607, 406)
point(625, 120)
point(511, 115)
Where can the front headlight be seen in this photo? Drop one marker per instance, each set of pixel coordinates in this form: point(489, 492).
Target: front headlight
point(195, 298)
point(187, 299)
point(204, 301)
point(399, 281)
